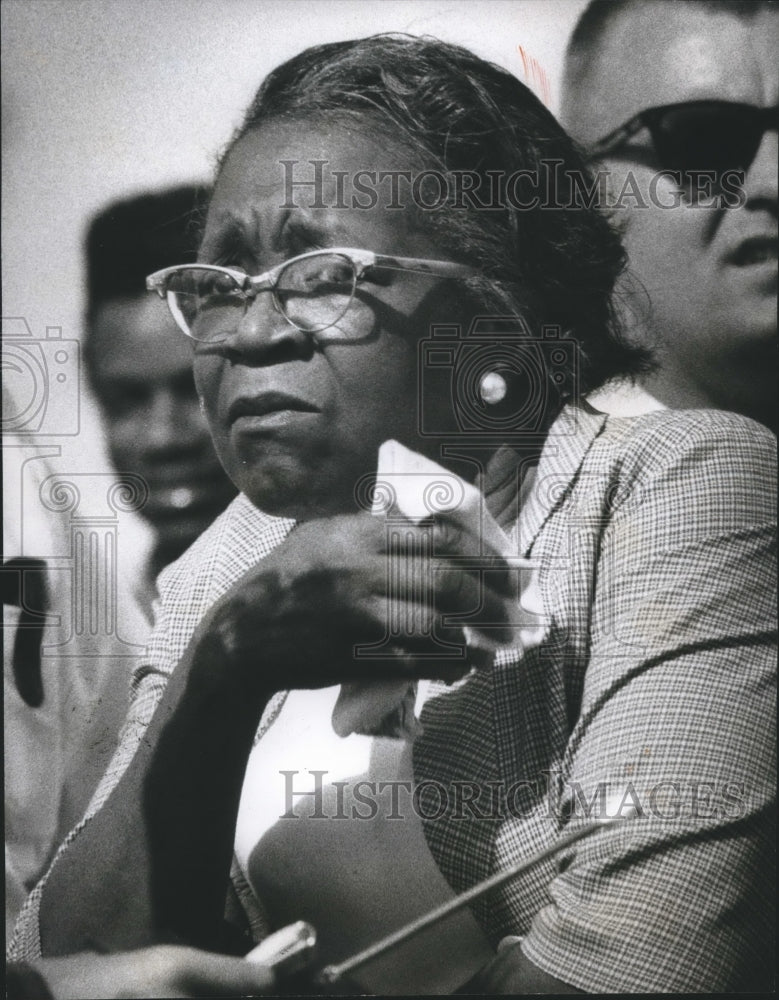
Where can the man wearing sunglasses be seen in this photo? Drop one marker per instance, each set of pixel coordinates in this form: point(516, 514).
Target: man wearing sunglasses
point(674, 100)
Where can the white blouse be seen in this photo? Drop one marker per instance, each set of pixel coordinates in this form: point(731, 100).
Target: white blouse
point(328, 832)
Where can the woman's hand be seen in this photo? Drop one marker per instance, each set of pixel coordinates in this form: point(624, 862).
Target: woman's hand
point(296, 618)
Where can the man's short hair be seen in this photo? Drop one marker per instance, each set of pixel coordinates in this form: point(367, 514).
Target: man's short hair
point(598, 15)
point(131, 238)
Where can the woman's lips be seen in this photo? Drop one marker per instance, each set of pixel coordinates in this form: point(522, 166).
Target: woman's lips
point(270, 421)
point(266, 403)
point(267, 410)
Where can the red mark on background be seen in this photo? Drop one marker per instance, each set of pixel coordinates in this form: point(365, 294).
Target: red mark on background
point(535, 75)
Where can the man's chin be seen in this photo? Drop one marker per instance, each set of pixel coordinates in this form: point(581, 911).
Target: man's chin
point(179, 528)
point(749, 383)
point(740, 329)
point(300, 504)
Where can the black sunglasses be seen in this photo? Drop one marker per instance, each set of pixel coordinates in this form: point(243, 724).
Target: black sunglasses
point(697, 135)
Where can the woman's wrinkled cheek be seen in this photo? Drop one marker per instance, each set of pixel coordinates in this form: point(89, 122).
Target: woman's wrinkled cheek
point(208, 377)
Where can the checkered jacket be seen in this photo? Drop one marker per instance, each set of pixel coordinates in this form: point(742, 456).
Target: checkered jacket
point(654, 686)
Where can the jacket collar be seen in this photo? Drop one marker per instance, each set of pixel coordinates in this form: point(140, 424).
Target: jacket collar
point(569, 440)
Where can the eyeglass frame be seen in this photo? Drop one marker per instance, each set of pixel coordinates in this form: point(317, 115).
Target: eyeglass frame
point(647, 119)
point(361, 261)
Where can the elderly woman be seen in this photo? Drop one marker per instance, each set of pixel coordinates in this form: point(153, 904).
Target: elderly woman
point(394, 253)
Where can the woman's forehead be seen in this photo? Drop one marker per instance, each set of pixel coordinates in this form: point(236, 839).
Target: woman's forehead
point(336, 183)
point(308, 163)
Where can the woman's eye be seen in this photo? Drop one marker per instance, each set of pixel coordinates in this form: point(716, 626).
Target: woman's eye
point(217, 287)
point(333, 274)
point(317, 275)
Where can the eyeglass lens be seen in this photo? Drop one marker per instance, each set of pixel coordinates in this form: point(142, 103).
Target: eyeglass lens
point(707, 138)
point(312, 294)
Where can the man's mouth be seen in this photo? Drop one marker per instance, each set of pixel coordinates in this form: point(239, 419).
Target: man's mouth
point(184, 496)
point(753, 251)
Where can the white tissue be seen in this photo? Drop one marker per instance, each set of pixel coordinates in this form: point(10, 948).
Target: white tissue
point(418, 488)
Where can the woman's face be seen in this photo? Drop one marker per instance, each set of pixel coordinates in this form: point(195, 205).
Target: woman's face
point(297, 423)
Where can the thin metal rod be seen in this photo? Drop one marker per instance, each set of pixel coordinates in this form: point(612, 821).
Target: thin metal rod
point(331, 973)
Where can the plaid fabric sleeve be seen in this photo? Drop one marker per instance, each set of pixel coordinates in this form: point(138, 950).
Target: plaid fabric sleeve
point(677, 719)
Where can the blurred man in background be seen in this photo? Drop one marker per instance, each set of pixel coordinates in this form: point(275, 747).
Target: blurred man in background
point(72, 630)
point(140, 367)
point(689, 90)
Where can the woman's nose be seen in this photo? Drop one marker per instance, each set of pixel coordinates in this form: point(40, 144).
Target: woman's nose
point(263, 330)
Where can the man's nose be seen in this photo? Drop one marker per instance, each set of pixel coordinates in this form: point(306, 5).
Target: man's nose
point(175, 421)
point(263, 333)
point(760, 182)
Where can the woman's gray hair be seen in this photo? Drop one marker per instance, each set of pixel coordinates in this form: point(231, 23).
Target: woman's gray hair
point(554, 264)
